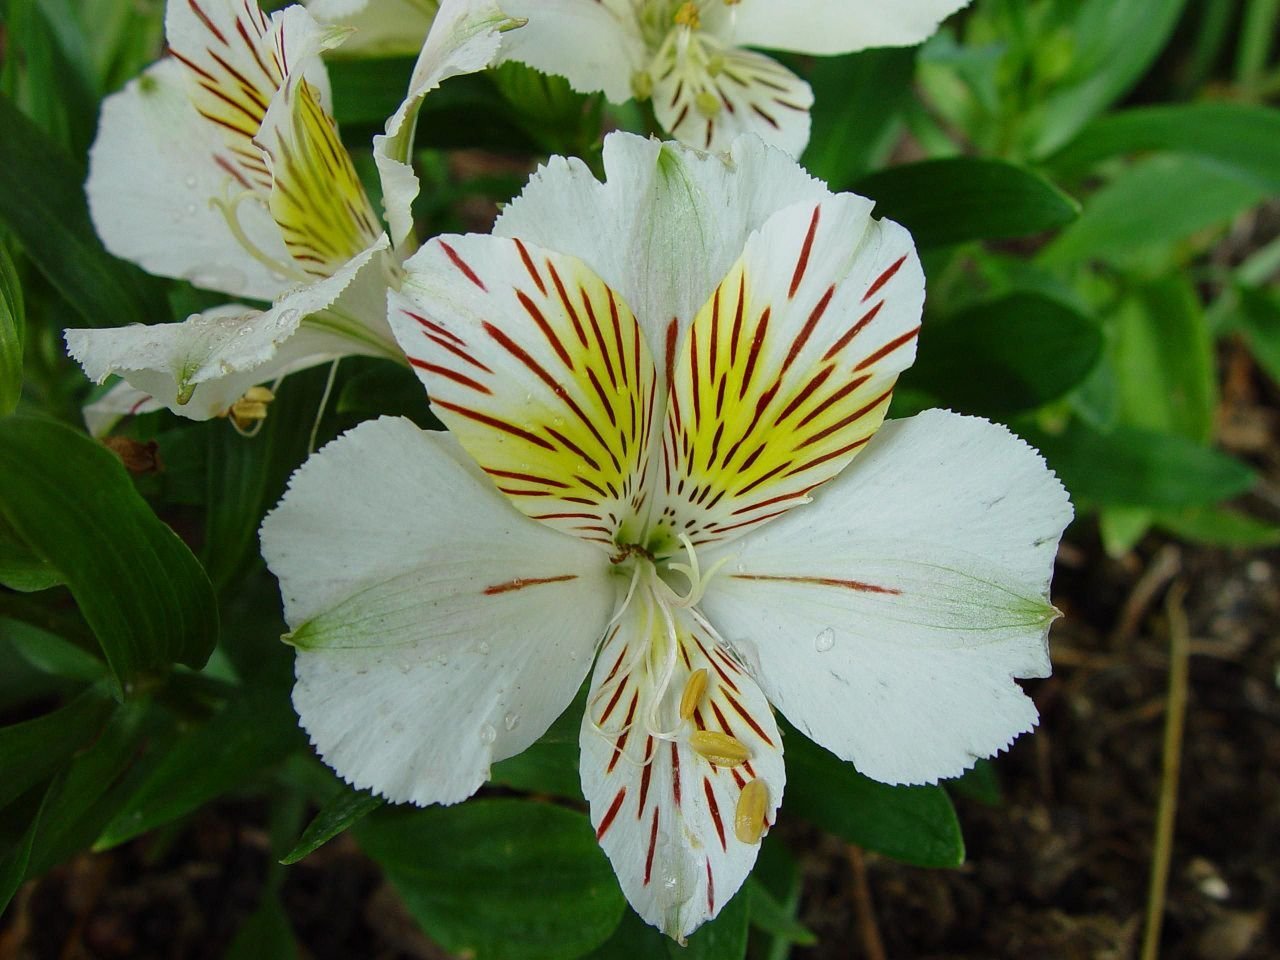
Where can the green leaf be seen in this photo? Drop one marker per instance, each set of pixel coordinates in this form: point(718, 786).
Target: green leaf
point(1140, 468)
point(1260, 317)
point(335, 817)
point(1242, 137)
point(723, 938)
point(16, 861)
point(32, 751)
point(775, 919)
point(1156, 202)
point(1122, 528)
point(1003, 357)
point(856, 98)
point(266, 935)
point(959, 199)
point(252, 732)
point(368, 90)
point(12, 334)
point(143, 593)
point(980, 784)
point(22, 570)
point(913, 824)
point(42, 201)
point(1218, 527)
point(543, 768)
point(632, 939)
point(499, 879)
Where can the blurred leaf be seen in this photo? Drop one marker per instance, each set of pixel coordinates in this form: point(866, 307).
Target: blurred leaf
point(775, 919)
point(1242, 137)
point(1121, 528)
point(1006, 356)
point(386, 389)
point(1218, 527)
point(543, 768)
point(266, 935)
point(15, 862)
point(856, 98)
point(499, 879)
point(42, 201)
point(143, 593)
point(254, 731)
point(966, 198)
point(722, 938)
point(22, 570)
point(980, 784)
point(12, 334)
point(42, 82)
point(33, 750)
point(1140, 468)
point(632, 939)
point(52, 654)
point(916, 825)
point(547, 109)
point(1117, 40)
point(368, 90)
point(1260, 316)
point(1160, 200)
point(335, 817)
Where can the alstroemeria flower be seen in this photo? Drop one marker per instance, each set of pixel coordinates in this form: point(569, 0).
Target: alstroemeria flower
point(663, 394)
point(382, 28)
point(689, 55)
point(222, 165)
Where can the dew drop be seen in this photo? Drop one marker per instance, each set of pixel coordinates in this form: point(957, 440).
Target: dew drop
point(190, 182)
point(825, 640)
point(511, 721)
point(487, 733)
point(483, 647)
point(191, 209)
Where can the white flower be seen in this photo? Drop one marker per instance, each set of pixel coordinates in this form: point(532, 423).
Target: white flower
point(222, 165)
point(383, 28)
point(655, 387)
point(688, 55)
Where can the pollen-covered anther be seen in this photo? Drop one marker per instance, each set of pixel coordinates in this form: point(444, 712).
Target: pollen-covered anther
point(719, 748)
point(748, 818)
point(694, 689)
point(687, 16)
point(642, 85)
point(708, 103)
point(251, 408)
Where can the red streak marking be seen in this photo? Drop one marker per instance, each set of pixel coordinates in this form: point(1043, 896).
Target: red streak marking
point(675, 772)
point(673, 329)
point(190, 65)
point(747, 523)
point(519, 583)
point(835, 398)
point(714, 347)
point(532, 270)
point(494, 422)
point(737, 778)
point(621, 653)
point(887, 349)
point(751, 721)
point(613, 702)
point(529, 478)
point(756, 342)
point(803, 262)
point(854, 331)
point(715, 812)
point(437, 329)
point(818, 582)
point(607, 822)
point(644, 779)
point(449, 375)
point(766, 117)
point(711, 890)
point(462, 265)
point(653, 843)
point(564, 298)
point(814, 316)
point(532, 309)
point(204, 17)
point(884, 278)
point(827, 456)
point(137, 406)
point(737, 316)
point(851, 418)
point(564, 516)
point(805, 393)
point(253, 49)
point(724, 677)
point(620, 747)
point(232, 171)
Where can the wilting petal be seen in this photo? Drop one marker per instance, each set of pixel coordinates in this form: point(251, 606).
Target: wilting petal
point(540, 371)
point(828, 26)
point(199, 367)
point(663, 812)
point(708, 95)
point(594, 44)
point(888, 619)
point(152, 173)
point(668, 223)
point(430, 617)
point(383, 28)
point(464, 38)
point(789, 367)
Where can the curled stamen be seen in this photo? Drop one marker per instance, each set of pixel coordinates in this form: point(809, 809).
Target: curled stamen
point(230, 209)
point(692, 572)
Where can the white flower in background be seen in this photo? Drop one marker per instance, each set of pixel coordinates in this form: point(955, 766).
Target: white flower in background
point(689, 56)
point(222, 165)
point(382, 28)
point(655, 387)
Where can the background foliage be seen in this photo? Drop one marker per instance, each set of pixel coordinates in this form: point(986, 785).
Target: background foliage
point(1074, 172)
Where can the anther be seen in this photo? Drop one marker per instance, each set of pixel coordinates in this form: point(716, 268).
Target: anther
point(719, 748)
point(748, 818)
point(687, 16)
point(708, 103)
point(251, 409)
point(694, 688)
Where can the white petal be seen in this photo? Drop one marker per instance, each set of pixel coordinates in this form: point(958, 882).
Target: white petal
point(745, 92)
point(438, 629)
point(663, 813)
point(594, 45)
point(383, 28)
point(152, 172)
point(464, 38)
point(122, 400)
point(829, 26)
point(201, 366)
point(667, 224)
point(888, 619)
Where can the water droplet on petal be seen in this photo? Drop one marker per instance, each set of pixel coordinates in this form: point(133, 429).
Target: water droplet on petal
point(825, 640)
point(488, 734)
point(190, 182)
point(511, 721)
point(191, 209)
point(483, 647)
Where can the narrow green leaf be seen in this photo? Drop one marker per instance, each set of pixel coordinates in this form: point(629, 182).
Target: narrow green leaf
point(1218, 527)
point(774, 918)
point(42, 202)
point(958, 199)
point(499, 879)
point(335, 817)
point(1260, 316)
point(1243, 137)
point(1007, 356)
point(15, 862)
point(12, 334)
point(33, 750)
point(1140, 468)
point(143, 593)
point(913, 824)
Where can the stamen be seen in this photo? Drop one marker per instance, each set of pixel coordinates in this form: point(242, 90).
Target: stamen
point(694, 688)
point(687, 16)
point(748, 818)
point(720, 748)
point(692, 572)
point(249, 412)
point(230, 213)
